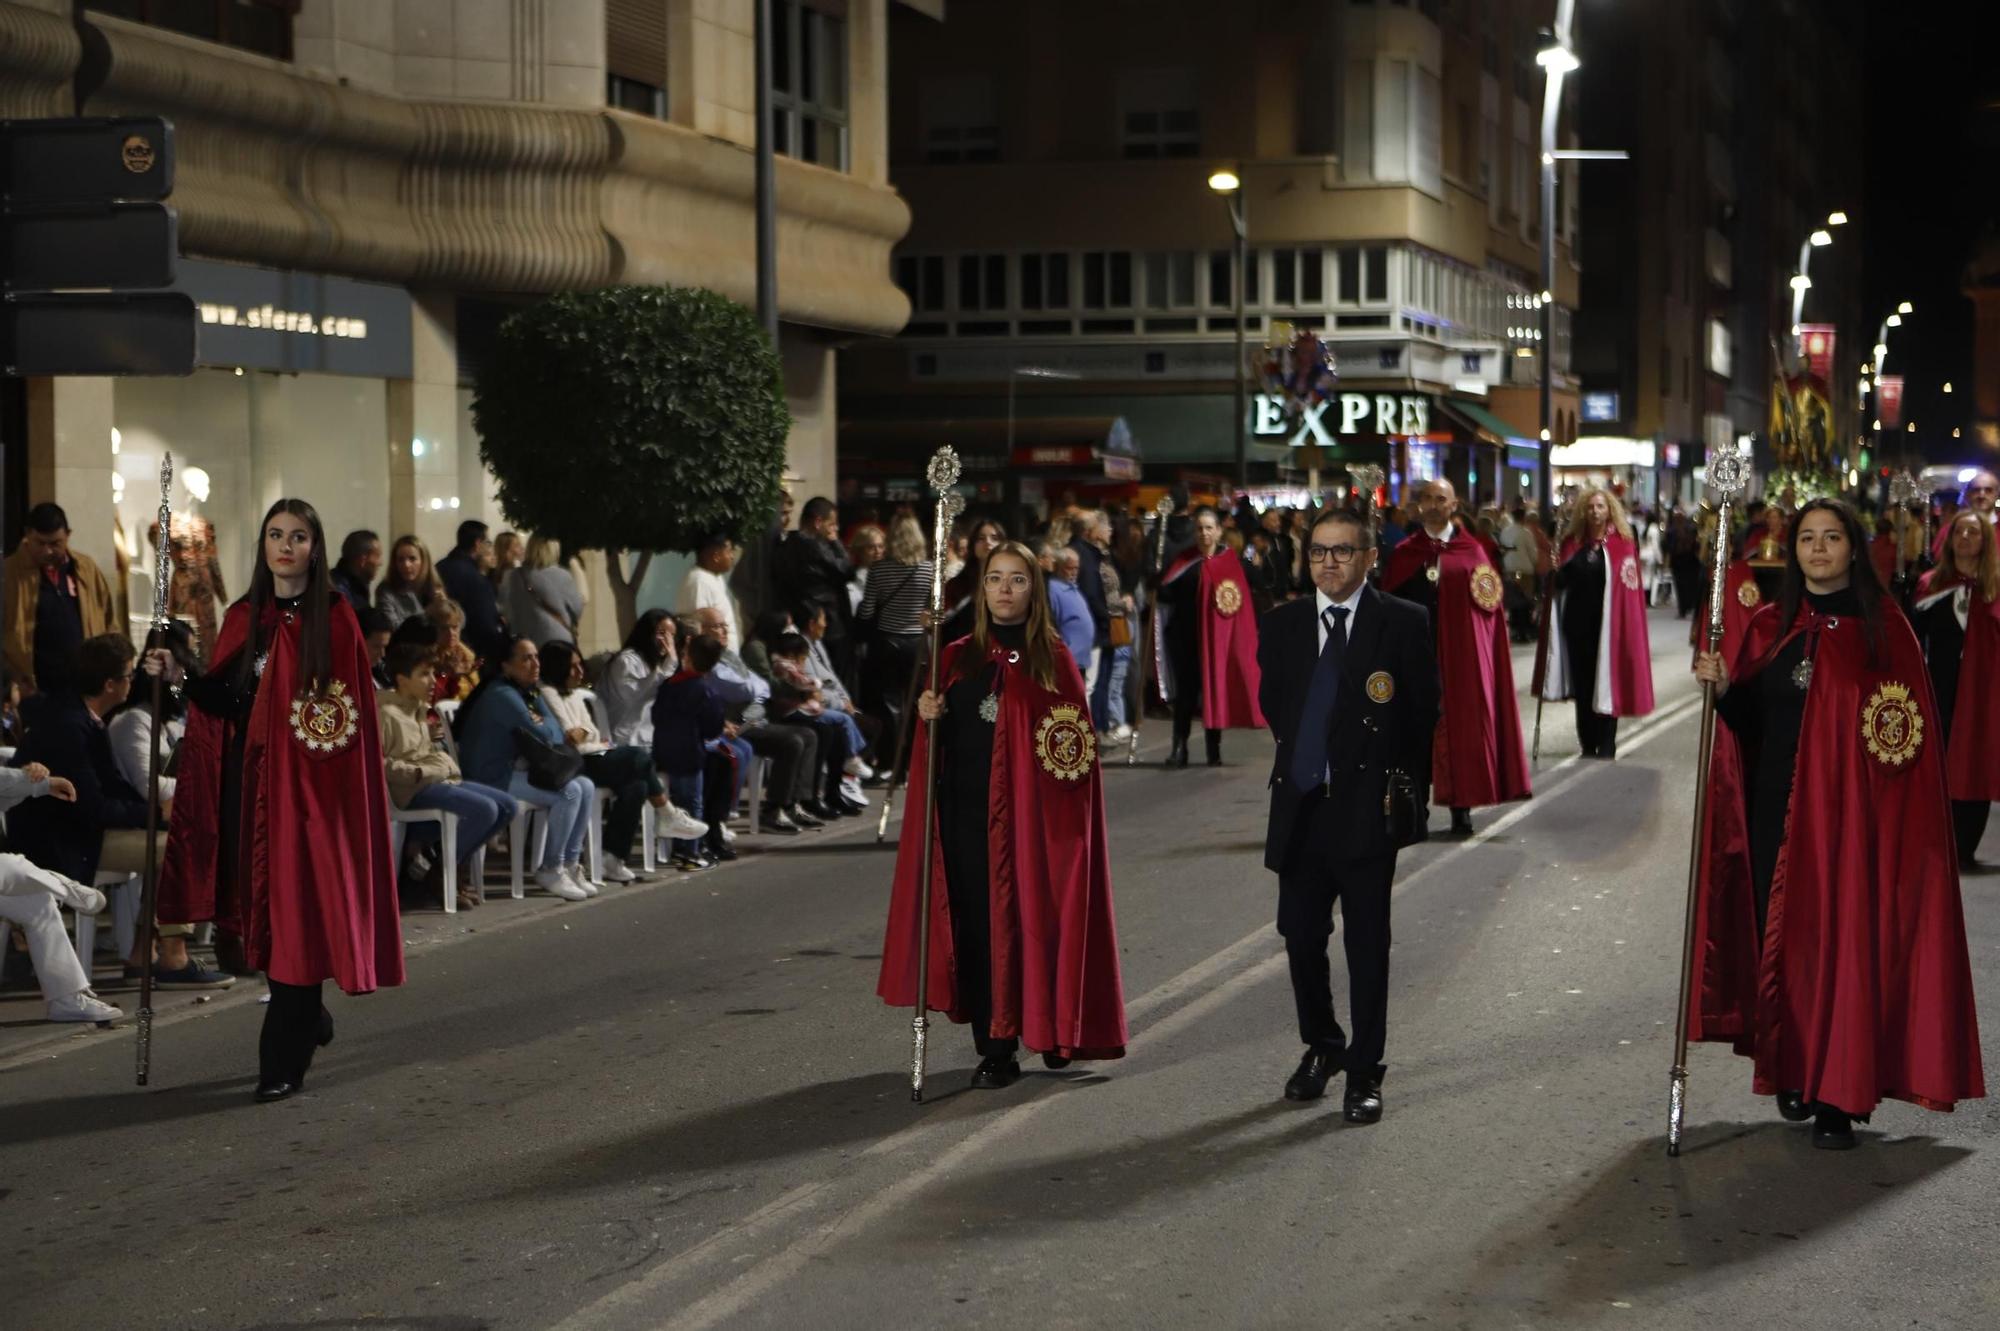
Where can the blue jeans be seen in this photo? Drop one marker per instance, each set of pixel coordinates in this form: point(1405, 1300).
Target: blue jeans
point(481, 811)
point(841, 720)
point(1107, 701)
point(570, 811)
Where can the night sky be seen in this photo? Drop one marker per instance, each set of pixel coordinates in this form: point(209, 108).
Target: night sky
point(1933, 187)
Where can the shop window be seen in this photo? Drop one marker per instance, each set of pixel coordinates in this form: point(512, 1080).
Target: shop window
point(635, 57)
point(260, 26)
point(1170, 281)
point(982, 282)
point(809, 83)
point(960, 121)
point(1159, 113)
point(1107, 280)
point(1045, 281)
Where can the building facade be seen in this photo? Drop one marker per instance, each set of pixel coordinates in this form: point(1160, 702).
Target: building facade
point(1072, 275)
point(365, 189)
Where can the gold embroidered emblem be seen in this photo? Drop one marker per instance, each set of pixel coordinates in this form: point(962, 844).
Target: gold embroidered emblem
point(1381, 686)
point(1486, 587)
point(1064, 744)
point(1892, 725)
point(1628, 573)
point(1749, 594)
point(1228, 598)
point(326, 723)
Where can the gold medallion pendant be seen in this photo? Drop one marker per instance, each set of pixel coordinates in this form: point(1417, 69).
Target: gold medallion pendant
point(1628, 572)
point(326, 723)
point(1486, 588)
point(1228, 598)
point(1748, 594)
point(1891, 724)
point(1432, 573)
point(1064, 744)
point(1381, 686)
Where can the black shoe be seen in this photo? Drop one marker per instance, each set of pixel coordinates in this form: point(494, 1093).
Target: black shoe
point(778, 824)
point(1363, 1101)
point(1054, 1062)
point(848, 808)
point(995, 1073)
point(325, 1028)
point(1461, 822)
point(1178, 755)
point(1792, 1106)
point(273, 1088)
point(1309, 1082)
point(1214, 738)
point(802, 815)
point(1833, 1130)
point(718, 852)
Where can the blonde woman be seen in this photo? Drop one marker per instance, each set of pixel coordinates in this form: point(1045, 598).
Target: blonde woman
point(1596, 649)
point(540, 596)
point(457, 667)
point(1957, 618)
point(412, 582)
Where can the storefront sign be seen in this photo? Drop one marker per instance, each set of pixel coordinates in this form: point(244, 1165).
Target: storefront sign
point(1599, 407)
point(265, 319)
point(1344, 413)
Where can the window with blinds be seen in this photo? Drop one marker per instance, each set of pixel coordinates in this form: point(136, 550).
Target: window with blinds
point(635, 56)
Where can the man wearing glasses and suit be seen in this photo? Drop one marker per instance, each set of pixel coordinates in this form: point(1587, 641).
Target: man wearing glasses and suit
point(1350, 687)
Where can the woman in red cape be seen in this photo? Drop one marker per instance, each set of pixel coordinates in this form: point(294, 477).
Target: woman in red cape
point(280, 829)
point(1830, 940)
point(1596, 649)
point(1957, 618)
point(1207, 643)
point(1022, 941)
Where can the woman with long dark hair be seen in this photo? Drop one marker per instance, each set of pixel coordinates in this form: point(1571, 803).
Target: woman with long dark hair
point(632, 679)
point(1023, 942)
point(280, 830)
point(1831, 938)
point(1957, 618)
point(962, 589)
point(626, 770)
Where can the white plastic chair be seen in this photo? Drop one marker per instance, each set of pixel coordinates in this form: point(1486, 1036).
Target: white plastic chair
point(646, 822)
point(122, 899)
point(400, 822)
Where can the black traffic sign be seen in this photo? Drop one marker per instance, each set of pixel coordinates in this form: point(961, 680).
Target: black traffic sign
point(106, 245)
point(99, 333)
point(84, 159)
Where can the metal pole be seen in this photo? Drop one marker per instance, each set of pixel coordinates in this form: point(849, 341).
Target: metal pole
point(1545, 352)
point(1239, 214)
point(943, 474)
point(767, 187)
point(149, 893)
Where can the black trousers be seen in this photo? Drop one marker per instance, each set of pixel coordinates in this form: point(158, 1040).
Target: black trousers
point(962, 827)
point(627, 772)
point(1306, 893)
point(794, 755)
point(1968, 825)
point(1596, 732)
point(293, 1023)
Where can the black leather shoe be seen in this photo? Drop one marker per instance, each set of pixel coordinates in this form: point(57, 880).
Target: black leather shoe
point(1363, 1101)
point(267, 1091)
point(1792, 1106)
point(778, 824)
point(1309, 1082)
point(995, 1074)
point(1178, 755)
point(803, 815)
point(1461, 822)
point(1833, 1130)
point(1214, 738)
point(1054, 1062)
point(718, 851)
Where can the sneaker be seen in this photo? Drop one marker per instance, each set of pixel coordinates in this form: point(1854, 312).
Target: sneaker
point(692, 863)
point(728, 834)
point(191, 976)
point(857, 769)
point(557, 883)
point(1120, 733)
point(851, 791)
point(680, 824)
point(581, 879)
point(616, 872)
point(84, 1006)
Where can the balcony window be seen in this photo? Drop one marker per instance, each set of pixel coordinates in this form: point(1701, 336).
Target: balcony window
point(1045, 281)
point(809, 84)
point(1159, 114)
point(635, 57)
point(922, 279)
point(960, 120)
point(1170, 281)
point(1107, 280)
point(260, 26)
point(982, 282)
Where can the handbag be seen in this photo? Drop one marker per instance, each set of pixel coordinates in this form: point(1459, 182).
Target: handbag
point(550, 766)
point(1121, 631)
point(1404, 816)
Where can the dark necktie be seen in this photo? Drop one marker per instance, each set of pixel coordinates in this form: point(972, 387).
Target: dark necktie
point(1316, 718)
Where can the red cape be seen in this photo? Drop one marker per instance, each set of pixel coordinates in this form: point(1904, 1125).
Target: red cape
point(1229, 674)
point(1055, 944)
point(1624, 683)
point(314, 895)
point(1476, 753)
point(1972, 750)
point(1862, 989)
point(1742, 598)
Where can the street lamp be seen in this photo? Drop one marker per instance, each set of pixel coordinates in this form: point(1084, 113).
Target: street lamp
point(1818, 238)
point(1229, 185)
point(1557, 59)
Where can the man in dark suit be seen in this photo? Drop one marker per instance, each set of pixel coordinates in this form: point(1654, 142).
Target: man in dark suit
point(463, 573)
point(1350, 687)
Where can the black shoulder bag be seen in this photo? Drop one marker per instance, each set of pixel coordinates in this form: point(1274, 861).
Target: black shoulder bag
point(550, 766)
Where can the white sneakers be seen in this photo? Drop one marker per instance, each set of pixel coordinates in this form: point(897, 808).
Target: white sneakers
point(728, 835)
point(1119, 733)
point(616, 872)
point(581, 879)
point(679, 824)
point(557, 882)
point(84, 1006)
point(856, 768)
point(850, 787)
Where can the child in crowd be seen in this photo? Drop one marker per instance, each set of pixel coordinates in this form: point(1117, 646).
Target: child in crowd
point(796, 699)
point(700, 752)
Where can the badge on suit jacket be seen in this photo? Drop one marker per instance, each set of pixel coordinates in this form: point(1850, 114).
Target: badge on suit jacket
point(1384, 716)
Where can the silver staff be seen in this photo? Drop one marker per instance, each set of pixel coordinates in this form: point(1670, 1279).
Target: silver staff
point(149, 897)
point(1162, 510)
point(943, 475)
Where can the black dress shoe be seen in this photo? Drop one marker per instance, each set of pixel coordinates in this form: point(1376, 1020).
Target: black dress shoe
point(1178, 755)
point(805, 816)
point(1833, 1130)
point(1792, 1106)
point(1363, 1101)
point(778, 824)
point(1214, 738)
point(1309, 1082)
point(1054, 1062)
point(1461, 822)
point(995, 1073)
point(274, 1089)
point(718, 851)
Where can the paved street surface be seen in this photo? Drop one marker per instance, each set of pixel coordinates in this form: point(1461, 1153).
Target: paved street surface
point(681, 1106)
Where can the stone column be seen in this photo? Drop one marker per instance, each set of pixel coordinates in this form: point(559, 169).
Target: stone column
point(70, 461)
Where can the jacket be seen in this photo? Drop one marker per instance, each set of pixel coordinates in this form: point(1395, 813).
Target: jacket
point(487, 748)
point(813, 571)
point(18, 585)
point(410, 758)
point(466, 584)
point(687, 713)
point(1071, 611)
point(64, 737)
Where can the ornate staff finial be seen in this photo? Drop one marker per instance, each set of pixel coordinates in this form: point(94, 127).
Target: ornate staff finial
point(163, 549)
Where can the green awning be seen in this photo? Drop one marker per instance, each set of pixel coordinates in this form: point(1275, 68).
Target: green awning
point(1475, 417)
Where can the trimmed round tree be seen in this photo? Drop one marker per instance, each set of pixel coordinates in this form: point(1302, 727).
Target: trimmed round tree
point(633, 420)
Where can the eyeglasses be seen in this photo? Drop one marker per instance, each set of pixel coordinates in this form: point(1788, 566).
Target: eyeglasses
point(1339, 554)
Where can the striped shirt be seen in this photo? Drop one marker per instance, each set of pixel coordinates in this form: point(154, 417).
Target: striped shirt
point(896, 595)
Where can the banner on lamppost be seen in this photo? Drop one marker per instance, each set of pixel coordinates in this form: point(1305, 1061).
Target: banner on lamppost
point(1889, 401)
point(1816, 341)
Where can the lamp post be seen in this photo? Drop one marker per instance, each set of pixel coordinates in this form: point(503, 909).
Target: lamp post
point(1557, 59)
point(1802, 280)
point(1229, 185)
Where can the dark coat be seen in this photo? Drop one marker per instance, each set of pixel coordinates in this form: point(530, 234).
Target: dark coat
point(687, 714)
point(1090, 581)
point(1389, 637)
point(813, 571)
point(465, 583)
point(67, 838)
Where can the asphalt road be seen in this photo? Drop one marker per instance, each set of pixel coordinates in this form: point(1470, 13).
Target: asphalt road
point(681, 1106)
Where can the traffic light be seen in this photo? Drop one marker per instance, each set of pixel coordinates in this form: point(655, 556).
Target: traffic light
point(86, 241)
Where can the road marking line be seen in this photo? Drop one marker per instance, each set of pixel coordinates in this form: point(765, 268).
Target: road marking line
point(762, 1276)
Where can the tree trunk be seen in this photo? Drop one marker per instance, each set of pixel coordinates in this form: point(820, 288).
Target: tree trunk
point(625, 590)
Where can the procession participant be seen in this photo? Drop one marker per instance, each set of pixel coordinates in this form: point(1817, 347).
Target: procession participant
point(1477, 756)
point(1957, 619)
point(280, 830)
point(961, 590)
point(1828, 924)
point(1764, 551)
point(1596, 650)
point(1029, 950)
point(1742, 596)
point(1349, 680)
point(1978, 495)
point(1206, 644)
